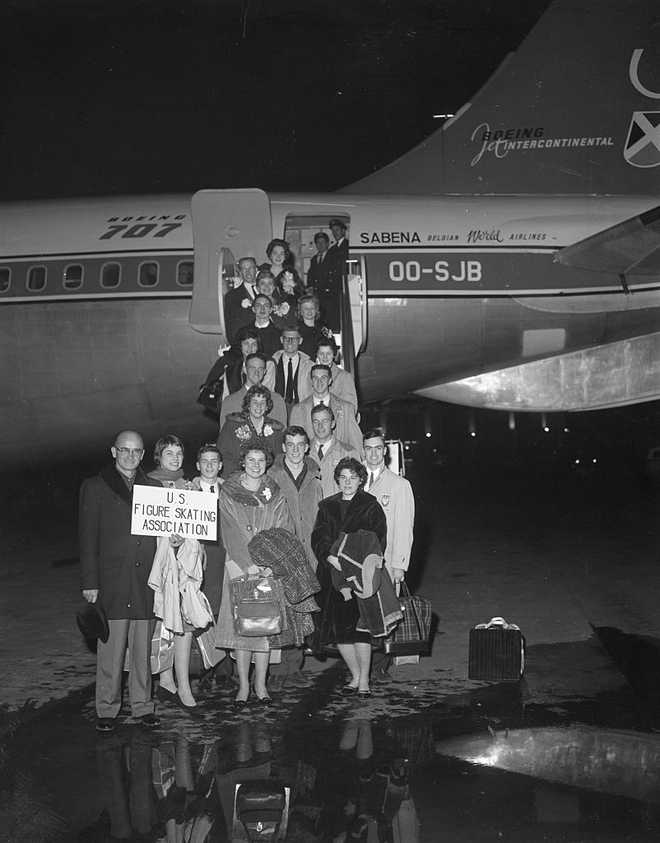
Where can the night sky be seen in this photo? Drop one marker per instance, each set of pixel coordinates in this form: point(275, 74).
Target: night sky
point(143, 96)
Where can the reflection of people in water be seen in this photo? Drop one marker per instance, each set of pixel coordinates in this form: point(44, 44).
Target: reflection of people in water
point(367, 799)
point(149, 787)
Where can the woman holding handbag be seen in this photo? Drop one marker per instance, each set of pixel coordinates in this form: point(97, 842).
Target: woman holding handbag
point(249, 502)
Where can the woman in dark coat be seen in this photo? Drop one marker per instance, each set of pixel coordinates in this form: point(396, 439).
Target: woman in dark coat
point(350, 510)
point(252, 426)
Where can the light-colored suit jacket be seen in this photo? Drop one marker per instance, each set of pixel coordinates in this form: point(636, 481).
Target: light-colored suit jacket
point(343, 385)
point(337, 451)
point(346, 429)
point(304, 372)
point(395, 495)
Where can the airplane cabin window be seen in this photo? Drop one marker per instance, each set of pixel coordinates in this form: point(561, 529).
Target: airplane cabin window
point(184, 273)
point(73, 276)
point(110, 275)
point(5, 279)
point(36, 280)
point(148, 274)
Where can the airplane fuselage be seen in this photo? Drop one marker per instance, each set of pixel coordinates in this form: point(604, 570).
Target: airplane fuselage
point(95, 294)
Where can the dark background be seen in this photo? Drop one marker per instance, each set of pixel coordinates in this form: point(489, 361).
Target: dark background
point(146, 97)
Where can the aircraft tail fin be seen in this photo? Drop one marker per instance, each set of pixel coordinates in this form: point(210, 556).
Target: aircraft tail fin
point(575, 110)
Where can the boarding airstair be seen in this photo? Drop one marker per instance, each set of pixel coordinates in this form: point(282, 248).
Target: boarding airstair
point(230, 224)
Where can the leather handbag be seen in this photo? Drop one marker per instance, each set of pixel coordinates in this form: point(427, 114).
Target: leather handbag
point(210, 395)
point(413, 634)
point(257, 606)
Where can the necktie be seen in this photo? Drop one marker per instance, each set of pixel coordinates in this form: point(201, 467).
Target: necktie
point(370, 480)
point(320, 452)
point(212, 489)
point(288, 395)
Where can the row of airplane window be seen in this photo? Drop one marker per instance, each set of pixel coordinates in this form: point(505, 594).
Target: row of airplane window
point(109, 278)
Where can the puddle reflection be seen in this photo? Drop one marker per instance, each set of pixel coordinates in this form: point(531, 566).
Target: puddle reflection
point(359, 780)
point(296, 778)
point(251, 787)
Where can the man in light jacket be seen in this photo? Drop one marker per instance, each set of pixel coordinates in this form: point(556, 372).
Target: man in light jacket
point(298, 477)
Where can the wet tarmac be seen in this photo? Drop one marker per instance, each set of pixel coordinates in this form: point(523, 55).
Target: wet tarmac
point(570, 753)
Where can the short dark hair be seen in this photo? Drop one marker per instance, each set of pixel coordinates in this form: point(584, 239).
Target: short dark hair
point(255, 391)
point(262, 296)
point(295, 430)
point(353, 465)
point(321, 235)
point(320, 408)
point(163, 442)
point(277, 241)
point(256, 446)
point(209, 448)
point(337, 221)
point(330, 343)
point(323, 368)
point(374, 433)
point(247, 332)
point(257, 355)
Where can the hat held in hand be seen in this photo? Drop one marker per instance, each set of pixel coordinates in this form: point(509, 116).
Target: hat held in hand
point(92, 622)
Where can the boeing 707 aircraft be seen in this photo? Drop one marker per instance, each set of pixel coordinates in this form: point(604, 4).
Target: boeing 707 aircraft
point(511, 260)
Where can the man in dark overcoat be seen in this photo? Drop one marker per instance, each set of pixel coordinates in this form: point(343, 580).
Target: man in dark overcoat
point(115, 568)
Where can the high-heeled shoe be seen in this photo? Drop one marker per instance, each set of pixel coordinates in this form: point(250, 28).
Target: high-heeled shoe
point(240, 705)
point(178, 701)
point(265, 700)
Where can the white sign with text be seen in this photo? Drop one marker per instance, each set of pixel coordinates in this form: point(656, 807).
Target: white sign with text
point(166, 512)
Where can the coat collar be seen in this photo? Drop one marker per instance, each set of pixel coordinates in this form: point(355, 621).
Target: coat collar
point(112, 478)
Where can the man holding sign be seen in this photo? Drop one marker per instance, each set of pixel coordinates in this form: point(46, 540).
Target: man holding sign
point(115, 567)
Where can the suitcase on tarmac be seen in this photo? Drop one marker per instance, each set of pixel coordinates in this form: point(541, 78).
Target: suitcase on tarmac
point(496, 652)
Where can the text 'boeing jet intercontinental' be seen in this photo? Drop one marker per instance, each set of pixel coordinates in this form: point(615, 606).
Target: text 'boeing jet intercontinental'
point(511, 261)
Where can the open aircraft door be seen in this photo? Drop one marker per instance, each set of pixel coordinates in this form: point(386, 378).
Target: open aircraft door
point(227, 225)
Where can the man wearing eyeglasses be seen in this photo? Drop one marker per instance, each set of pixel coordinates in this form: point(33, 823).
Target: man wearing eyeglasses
point(115, 568)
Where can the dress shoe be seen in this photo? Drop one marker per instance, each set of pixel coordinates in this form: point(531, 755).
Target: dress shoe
point(239, 705)
point(150, 721)
point(364, 695)
point(105, 724)
point(263, 701)
point(349, 690)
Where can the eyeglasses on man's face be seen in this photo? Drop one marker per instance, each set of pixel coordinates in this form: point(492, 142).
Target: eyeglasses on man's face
point(130, 452)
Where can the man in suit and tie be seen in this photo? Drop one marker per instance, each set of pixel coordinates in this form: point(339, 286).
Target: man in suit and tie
point(292, 369)
point(338, 252)
point(317, 274)
point(326, 449)
point(256, 367)
point(347, 429)
point(324, 277)
point(238, 302)
point(395, 496)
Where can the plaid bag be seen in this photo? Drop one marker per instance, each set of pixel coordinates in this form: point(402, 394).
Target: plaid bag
point(413, 634)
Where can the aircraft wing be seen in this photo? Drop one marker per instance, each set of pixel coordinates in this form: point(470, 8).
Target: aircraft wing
point(631, 247)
